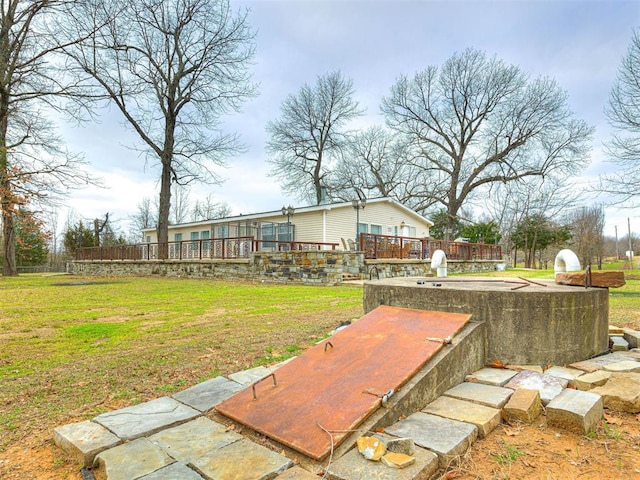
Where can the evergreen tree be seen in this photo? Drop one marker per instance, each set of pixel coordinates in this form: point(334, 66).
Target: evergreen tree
point(31, 240)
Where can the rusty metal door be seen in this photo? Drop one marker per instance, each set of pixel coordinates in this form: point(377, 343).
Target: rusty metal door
point(334, 386)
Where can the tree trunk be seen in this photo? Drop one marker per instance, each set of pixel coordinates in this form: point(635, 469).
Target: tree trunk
point(7, 203)
point(163, 211)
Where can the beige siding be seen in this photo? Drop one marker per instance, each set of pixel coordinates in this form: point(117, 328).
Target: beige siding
point(328, 223)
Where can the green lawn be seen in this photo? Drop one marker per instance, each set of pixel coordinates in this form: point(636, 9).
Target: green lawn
point(72, 347)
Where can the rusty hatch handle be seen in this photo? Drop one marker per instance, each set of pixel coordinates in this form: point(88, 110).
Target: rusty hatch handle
point(253, 386)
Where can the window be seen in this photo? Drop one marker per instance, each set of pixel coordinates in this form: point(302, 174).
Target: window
point(376, 229)
point(285, 232)
point(205, 235)
point(148, 238)
point(177, 237)
point(363, 228)
point(268, 234)
point(223, 231)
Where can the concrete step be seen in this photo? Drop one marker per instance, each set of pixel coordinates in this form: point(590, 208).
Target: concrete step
point(353, 466)
point(486, 419)
point(487, 395)
point(449, 439)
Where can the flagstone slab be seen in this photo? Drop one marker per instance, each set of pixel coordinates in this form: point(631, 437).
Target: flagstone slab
point(175, 471)
point(487, 395)
point(497, 377)
point(146, 418)
point(618, 343)
point(591, 380)
point(521, 368)
point(484, 418)
point(548, 386)
point(523, 406)
point(575, 410)
point(621, 392)
point(632, 337)
point(632, 366)
point(569, 374)
point(597, 363)
point(633, 353)
point(131, 460)
point(84, 440)
point(194, 439)
point(353, 466)
point(297, 473)
point(449, 439)
point(206, 395)
point(250, 376)
point(244, 460)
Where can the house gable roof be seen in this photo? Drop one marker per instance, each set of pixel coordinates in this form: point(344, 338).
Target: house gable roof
point(308, 209)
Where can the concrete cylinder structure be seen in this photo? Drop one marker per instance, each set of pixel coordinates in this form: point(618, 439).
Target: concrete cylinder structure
point(527, 324)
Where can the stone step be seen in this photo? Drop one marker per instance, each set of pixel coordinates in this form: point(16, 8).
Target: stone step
point(618, 343)
point(597, 363)
point(241, 459)
point(449, 439)
point(591, 380)
point(206, 395)
point(523, 406)
point(487, 395)
point(575, 410)
point(632, 366)
point(497, 377)
point(146, 418)
point(632, 337)
point(567, 373)
point(548, 386)
point(353, 466)
point(621, 392)
point(486, 419)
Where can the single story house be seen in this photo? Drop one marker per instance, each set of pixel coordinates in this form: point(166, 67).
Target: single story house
point(335, 223)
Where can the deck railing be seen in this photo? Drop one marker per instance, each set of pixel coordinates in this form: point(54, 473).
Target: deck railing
point(218, 248)
point(390, 246)
point(374, 246)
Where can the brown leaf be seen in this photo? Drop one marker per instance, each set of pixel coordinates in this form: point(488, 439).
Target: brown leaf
point(497, 364)
point(452, 474)
point(380, 430)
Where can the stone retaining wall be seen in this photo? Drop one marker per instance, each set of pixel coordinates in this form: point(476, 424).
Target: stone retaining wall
point(324, 267)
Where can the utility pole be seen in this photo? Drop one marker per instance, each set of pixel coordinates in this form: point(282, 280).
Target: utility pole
point(617, 251)
point(629, 236)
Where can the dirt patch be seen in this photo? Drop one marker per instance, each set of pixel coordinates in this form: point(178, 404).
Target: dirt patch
point(538, 451)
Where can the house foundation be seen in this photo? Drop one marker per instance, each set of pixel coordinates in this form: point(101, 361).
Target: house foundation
point(322, 267)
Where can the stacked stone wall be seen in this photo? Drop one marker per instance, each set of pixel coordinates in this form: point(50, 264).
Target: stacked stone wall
point(315, 267)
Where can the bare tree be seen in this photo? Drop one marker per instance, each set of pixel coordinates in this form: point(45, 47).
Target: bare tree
point(375, 163)
point(309, 135)
point(623, 113)
point(181, 205)
point(208, 209)
point(511, 203)
point(587, 233)
point(145, 216)
point(34, 165)
point(172, 68)
point(476, 122)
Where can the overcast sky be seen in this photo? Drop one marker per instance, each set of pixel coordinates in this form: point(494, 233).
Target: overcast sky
point(579, 43)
